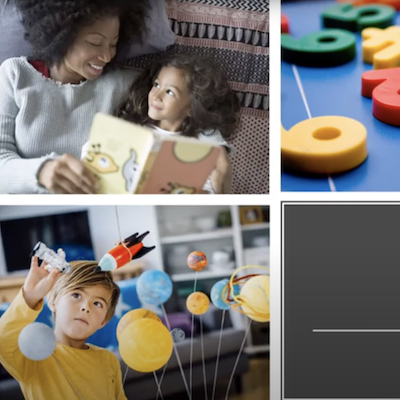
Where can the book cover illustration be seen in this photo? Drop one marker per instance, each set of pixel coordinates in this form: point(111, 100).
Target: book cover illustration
point(181, 166)
point(117, 152)
point(128, 158)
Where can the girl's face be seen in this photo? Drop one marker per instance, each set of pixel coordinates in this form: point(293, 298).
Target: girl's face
point(79, 313)
point(94, 47)
point(169, 99)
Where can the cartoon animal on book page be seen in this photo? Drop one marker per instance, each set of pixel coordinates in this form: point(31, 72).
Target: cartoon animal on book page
point(100, 162)
point(130, 171)
point(176, 188)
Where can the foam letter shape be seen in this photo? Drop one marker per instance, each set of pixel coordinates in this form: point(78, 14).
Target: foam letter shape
point(284, 24)
point(381, 47)
point(391, 3)
point(325, 48)
point(354, 19)
point(384, 88)
point(324, 145)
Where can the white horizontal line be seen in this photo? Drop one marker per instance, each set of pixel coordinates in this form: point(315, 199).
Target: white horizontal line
point(355, 330)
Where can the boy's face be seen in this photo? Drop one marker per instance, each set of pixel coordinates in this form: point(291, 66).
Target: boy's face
point(80, 313)
point(169, 99)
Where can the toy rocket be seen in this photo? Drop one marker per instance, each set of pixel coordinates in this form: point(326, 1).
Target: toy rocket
point(53, 259)
point(124, 252)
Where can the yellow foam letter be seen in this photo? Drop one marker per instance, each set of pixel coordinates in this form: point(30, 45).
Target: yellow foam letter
point(381, 47)
point(324, 145)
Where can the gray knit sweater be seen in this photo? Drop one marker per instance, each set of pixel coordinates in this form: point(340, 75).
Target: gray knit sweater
point(41, 119)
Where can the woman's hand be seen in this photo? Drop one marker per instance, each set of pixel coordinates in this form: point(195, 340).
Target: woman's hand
point(67, 175)
point(39, 282)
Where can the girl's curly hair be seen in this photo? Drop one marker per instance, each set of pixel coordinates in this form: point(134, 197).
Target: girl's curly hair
point(51, 26)
point(213, 104)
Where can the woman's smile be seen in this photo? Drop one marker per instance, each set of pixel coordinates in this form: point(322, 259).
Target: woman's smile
point(96, 69)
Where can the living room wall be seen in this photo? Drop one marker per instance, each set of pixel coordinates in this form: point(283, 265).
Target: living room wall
point(103, 226)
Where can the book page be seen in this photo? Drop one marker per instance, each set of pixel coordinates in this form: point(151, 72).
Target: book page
point(182, 166)
point(117, 153)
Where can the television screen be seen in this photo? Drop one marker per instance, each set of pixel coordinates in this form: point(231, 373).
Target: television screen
point(69, 231)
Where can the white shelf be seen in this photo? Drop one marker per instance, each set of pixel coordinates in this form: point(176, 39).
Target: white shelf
point(190, 276)
point(238, 236)
point(254, 227)
point(192, 237)
point(256, 349)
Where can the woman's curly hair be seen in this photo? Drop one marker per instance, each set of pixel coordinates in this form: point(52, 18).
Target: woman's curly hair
point(51, 26)
point(213, 104)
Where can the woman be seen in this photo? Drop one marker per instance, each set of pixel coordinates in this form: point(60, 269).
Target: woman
point(47, 102)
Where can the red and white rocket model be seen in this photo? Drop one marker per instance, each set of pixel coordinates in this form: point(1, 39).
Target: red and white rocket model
point(130, 249)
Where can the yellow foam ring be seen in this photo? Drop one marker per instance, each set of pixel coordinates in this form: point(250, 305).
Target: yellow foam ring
point(188, 152)
point(324, 145)
point(381, 47)
point(239, 299)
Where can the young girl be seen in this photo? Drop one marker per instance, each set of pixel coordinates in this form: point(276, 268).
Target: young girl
point(189, 96)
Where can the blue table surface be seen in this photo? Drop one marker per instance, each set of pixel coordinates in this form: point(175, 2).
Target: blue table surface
point(337, 91)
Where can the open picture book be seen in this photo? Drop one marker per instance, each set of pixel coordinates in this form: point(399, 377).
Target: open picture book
point(129, 158)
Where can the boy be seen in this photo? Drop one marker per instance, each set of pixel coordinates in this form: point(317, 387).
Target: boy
point(82, 301)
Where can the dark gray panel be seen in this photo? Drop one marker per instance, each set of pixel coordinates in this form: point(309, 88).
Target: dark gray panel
point(341, 271)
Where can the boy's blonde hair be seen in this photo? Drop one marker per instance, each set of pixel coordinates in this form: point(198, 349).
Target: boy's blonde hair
point(83, 274)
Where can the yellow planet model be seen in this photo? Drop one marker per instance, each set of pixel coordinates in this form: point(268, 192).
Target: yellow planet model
point(197, 303)
point(134, 315)
point(254, 297)
point(145, 345)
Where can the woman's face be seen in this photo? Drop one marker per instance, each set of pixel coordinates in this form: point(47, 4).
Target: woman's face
point(94, 47)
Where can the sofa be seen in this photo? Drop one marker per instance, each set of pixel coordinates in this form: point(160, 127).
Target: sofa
point(140, 386)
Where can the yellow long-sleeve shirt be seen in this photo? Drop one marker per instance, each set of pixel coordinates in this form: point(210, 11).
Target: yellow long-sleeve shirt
point(68, 374)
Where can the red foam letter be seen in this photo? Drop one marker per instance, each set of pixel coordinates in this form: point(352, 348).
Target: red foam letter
point(383, 85)
point(284, 24)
